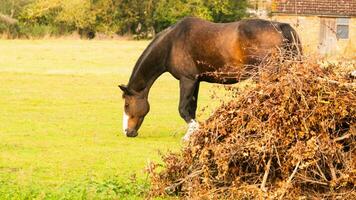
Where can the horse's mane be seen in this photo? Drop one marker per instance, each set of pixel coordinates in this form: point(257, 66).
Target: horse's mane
point(157, 39)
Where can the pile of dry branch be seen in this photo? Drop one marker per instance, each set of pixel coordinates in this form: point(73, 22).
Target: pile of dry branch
point(291, 136)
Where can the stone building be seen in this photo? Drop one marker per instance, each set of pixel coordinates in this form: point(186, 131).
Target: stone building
point(326, 27)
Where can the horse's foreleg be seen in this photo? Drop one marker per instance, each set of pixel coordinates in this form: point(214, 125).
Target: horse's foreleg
point(188, 104)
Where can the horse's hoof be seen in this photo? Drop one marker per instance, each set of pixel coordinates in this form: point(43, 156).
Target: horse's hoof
point(185, 139)
point(192, 127)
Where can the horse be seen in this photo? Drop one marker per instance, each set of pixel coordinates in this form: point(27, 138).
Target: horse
point(194, 50)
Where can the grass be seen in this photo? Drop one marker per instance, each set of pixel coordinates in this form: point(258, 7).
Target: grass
point(60, 120)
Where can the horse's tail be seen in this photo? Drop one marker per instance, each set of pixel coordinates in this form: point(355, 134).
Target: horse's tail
point(291, 41)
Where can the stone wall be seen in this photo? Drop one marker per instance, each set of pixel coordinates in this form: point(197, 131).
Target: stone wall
point(308, 28)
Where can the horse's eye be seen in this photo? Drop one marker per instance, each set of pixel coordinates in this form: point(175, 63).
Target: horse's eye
point(126, 105)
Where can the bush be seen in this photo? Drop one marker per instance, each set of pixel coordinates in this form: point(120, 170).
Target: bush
point(140, 18)
point(37, 31)
point(170, 11)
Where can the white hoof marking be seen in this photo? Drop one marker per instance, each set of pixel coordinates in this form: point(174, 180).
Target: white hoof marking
point(192, 127)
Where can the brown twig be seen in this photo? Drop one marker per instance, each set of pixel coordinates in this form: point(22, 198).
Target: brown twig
point(332, 170)
point(321, 172)
point(312, 181)
point(347, 85)
point(294, 172)
point(278, 160)
point(196, 173)
point(265, 176)
point(342, 137)
point(290, 179)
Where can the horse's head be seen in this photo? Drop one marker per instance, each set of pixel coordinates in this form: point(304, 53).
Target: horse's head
point(135, 110)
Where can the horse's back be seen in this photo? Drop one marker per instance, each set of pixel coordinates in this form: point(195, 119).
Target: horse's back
point(210, 46)
point(201, 43)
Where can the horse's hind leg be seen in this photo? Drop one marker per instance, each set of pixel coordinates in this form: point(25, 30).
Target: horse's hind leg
point(188, 103)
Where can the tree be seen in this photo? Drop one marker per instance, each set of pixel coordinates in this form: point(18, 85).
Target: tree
point(12, 8)
point(9, 12)
point(227, 10)
point(85, 16)
point(7, 19)
point(137, 17)
point(169, 12)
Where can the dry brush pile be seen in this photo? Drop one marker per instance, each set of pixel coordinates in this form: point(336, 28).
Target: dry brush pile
point(291, 136)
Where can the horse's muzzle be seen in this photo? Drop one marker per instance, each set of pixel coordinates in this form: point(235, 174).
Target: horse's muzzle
point(131, 133)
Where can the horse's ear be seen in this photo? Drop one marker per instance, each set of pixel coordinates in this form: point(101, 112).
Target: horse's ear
point(125, 90)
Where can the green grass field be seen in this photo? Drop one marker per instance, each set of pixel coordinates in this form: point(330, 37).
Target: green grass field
point(60, 120)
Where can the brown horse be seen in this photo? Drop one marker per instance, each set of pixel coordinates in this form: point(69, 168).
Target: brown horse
point(194, 50)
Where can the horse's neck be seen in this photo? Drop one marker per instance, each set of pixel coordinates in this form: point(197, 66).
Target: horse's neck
point(142, 80)
point(151, 64)
point(147, 69)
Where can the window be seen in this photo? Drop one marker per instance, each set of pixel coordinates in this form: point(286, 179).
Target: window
point(342, 28)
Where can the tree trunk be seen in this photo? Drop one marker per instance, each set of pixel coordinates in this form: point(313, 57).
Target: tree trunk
point(7, 19)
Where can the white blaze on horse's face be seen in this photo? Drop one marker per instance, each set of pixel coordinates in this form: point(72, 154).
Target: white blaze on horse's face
point(125, 122)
